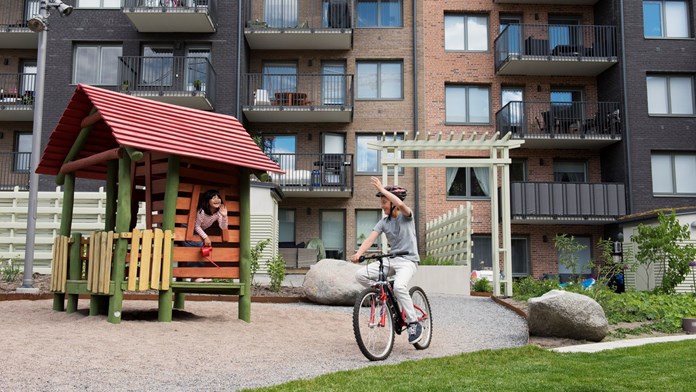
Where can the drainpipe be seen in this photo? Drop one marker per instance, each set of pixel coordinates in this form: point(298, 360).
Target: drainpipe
point(240, 42)
point(627, 144)
point(416, 204)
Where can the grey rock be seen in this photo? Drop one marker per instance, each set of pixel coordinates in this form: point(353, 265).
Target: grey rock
point(563, 314)
point(332, 282)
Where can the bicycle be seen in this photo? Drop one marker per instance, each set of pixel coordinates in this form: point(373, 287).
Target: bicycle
point(377, 315)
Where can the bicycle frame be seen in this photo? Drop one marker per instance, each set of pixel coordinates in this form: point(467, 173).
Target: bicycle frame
point(387, 298)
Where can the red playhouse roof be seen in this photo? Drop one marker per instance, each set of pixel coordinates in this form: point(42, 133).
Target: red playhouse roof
point(150, 126)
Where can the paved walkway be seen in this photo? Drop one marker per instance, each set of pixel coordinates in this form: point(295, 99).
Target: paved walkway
point(596, 347)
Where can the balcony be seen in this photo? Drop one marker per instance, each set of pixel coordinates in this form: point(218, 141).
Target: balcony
point(558, 202)
point(555, 50)
point(172, 16)
point(561, 124)
point(299, 24)
point(326, 98)
point(551, 2)
point(179, 80)
point(314, 175)
point(14, 33)
point(17, 97)
point(14, 170)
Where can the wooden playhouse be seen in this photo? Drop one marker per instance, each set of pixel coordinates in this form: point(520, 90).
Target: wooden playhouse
point(163, 156)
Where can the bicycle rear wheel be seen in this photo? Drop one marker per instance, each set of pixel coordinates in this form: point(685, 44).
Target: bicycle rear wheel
point(373, 326)
point(425, 317)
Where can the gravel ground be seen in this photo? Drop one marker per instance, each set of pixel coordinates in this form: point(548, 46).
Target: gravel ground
point(207, 348)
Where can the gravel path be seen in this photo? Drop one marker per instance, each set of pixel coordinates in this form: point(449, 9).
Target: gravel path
point(207, 348)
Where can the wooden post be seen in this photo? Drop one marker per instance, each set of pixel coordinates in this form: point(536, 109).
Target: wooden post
point(245, 244)
point(65, 225)
point(74, 269)
point(96, 302)
point(171, 193)
point(77, 145)
point(123, 218)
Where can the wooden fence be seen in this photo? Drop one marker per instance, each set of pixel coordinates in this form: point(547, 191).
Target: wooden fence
point(641, 279)
point(448, 237)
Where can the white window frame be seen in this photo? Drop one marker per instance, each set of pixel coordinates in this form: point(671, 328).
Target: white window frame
point(117, 4)
point(651, 82)
point(451, 88)
point(96, 62)
point(452, 41)
point(378, 82)
point(672, 173)
point(665, 21)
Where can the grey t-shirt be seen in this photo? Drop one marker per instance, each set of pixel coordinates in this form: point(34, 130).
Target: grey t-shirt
point(401, 235)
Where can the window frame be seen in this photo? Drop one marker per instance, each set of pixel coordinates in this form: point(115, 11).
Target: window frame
point(379, 16)
point(342, 228)
point(379, 64)
point(467, 184)
point(377, 244)
point(467, 107)
point(673, 174)
point(667, 78)
point(79, 5)
point(358, 160)
point(100, 47)
point(269, 149)
point(16, 162)
point(578, 161)
point(664, 22)
point(465, 38)
point(487, 261)
point(293, 213)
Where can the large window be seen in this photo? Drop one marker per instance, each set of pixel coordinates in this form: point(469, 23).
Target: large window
point(673, 174)
point(467, 104)
point(467, 182)
point(379, 13)
point(96, 64)
point(22, 160)
point(380, 80)
point(368, 160)
point(482, 254)
point(466, 32)
point(518, 170)
point(281, 13)
point(670, 94)
point(365, 221)
point(99, 4)
point(158, 66)
point(583, 257)
point(333, 224)
point(280, 77)
point(333, 83)
point(665, 19)
point(569, 171)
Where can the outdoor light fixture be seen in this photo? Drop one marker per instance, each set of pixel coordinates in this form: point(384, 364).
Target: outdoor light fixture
point(39, 23)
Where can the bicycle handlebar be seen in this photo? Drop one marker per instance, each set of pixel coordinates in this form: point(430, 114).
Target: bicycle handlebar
point(383, 255)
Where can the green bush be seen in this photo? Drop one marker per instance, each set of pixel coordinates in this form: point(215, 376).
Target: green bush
point(276, 271)
point(482, 286)
point(430, 260)
point(10, 270)
point(529, 287)
point(256, 254)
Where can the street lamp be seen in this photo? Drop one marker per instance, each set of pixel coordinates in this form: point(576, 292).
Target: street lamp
point(38, 24)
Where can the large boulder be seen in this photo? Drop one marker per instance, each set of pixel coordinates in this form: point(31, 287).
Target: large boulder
point(332, 282)
point(563, 314)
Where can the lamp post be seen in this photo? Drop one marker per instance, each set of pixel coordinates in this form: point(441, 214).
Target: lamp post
point(38, 24)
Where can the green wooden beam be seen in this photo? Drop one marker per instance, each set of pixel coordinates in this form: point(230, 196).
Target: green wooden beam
point(65, 225)
point(75, 149)
point(123, 218)
point(74, 270)
point(245, 244)
point(111, 188)
point(135, 155)
point(171, 193)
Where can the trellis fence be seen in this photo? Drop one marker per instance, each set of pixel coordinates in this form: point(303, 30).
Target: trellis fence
point(448, 237)
point(641, 279)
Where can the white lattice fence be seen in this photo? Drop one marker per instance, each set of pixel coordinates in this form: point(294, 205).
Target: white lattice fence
point(448, 237)
point(640, 279)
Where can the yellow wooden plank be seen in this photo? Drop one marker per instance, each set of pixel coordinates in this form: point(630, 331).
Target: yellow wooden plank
point(56, 280)
point(92, 267)
point(156, 259)
point(53, 264)
point(108, 260)
point(102, 262)
point(167, 260)
point(145, 255)
point(133, 269)
point(64, 261)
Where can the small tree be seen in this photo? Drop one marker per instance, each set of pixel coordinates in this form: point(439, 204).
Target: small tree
point(568, 248)
point(660, 244)
point(276, 271)
point(256, 254)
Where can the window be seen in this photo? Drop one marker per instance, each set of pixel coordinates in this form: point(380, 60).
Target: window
point(96, 64)
point(368, 161)
point(518, 170)
point(333, 224)
point(467, 104)
point(365, 221)
point(513, 114)
point(510, 24)
point(281, 149)
point(333, 83)
point(22, 160)
point(197, 64)
point(670, 94)
point(281, 13)
point(482, 252)
point(379, 13)
point(582, 257)
point(665, 19)
point(564, 30)
point(569, 171)
point(286, 226)
point(467, 182)
point(673, 174)
point(466, 32)
point(99, 4)
point(280, 77)
point(379, 80)
point(158, 66)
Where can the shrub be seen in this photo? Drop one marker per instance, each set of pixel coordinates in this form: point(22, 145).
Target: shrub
point(256, 254)
point(530, 287)
point(482, 286)
point(430, 260)
point(10, 270)
point(276, 271)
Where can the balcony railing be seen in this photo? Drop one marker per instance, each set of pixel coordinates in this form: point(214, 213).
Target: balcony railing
point(530, 49)
point(299, 24)
point(185, 81)
point(14, 170)
point(314, 175)
point(560, 201)
point(298, 98)
point(172, 16)
point(17, 97)
point(14, 33)
point(553, 2)
point(596, 121)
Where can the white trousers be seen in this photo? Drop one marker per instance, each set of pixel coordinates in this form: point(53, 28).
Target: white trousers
point(403, 271)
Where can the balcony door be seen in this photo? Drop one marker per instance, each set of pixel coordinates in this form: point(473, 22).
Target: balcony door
point(564, 35)
point(514, 114)
point(22, 161)
point(281, 13)
point(567, 109)
point(31, 9)
point(280, 78)
point(333, 228)
point(333, 83)
point(157, 66)
point(197, 64)
point(281, 149)
point(333, 158)
point(514, 33)
point(26, 84)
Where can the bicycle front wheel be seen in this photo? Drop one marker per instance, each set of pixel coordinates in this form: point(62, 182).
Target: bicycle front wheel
point(422, 307)
point(373, 326)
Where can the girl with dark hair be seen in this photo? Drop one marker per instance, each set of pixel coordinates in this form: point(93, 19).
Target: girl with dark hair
point(211, 209)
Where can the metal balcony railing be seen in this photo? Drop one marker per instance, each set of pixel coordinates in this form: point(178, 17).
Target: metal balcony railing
point(298, 14)
point(564, 200)
point(328, 90)
point(171, 76)
point(555, 42)
point(559, 119)
point(17, 91)
point(314, 172)
point(14, 170)
point(15, 13)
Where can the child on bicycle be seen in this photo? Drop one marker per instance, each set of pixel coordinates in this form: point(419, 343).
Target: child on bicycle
point(400, 229)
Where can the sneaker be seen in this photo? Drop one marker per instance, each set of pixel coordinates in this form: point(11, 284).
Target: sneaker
point(415, 333)
point(202, 280)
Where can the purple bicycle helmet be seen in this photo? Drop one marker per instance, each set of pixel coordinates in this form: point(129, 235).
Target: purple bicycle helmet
point(395, 190)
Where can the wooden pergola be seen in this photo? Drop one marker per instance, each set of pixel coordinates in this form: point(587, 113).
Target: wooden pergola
point(498, 164)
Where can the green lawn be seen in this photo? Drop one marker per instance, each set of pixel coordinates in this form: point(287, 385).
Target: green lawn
point(655, 367)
